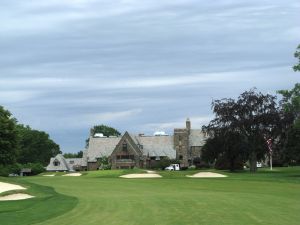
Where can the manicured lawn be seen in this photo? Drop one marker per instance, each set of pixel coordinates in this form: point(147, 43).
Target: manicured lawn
point(101, 197)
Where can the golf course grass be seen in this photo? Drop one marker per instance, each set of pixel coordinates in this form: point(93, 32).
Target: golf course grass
point(101, 197)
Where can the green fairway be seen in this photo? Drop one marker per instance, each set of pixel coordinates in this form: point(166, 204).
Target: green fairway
point(100, 197)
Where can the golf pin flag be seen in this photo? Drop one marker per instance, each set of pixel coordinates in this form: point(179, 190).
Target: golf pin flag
point(269, 143)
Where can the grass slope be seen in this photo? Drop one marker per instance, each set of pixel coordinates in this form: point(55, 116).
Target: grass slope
point(46, 205)
point(242, 198)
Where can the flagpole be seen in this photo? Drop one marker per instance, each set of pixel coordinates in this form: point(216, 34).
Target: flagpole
point(269, 144)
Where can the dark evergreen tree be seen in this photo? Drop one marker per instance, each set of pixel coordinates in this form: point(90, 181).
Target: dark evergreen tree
point(8, 137)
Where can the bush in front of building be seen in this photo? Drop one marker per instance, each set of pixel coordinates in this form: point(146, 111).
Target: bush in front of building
point(200, 164)
point(10, 169)
point(15, 169)
point(104, 163)
point(36, 168)
point(160, 164)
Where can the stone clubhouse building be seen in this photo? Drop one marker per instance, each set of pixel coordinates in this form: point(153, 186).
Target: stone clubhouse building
point(128, 150)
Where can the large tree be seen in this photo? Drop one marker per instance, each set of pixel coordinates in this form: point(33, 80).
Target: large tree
point(35, 146)
point(226, 149)
point(290, 105)
point(253, 116)
point(8, 137)
point(105, 130)
point(297, 55)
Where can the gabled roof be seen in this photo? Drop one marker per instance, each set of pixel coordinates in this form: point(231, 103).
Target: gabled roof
point(131, 140)
point(99, 147)
point(157, 145)
point(149, 145)
point(62, 166)
point(73, 162)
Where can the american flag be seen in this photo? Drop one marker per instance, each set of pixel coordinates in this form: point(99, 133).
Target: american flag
point(269, 143)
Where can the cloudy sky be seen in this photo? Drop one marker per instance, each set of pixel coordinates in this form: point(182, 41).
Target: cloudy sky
point(139, 65)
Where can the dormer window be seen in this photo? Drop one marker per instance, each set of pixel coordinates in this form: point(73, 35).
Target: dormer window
point(125, 146)
point(56, 162)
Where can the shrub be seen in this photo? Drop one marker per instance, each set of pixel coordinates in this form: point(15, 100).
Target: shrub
point(4, 171)
point(192, 167)
point(104, 163)
point(36, 168)
point(200, 163)
point(8, 169)
point(223, 163)
point(160, 164)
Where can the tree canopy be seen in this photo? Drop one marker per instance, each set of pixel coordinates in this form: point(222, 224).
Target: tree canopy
point(73, 155)
point(35, 146)
point(105, 130)
point(290, 104)
point(8, 137)
point(249, 119)
point(297, 55)
point(23, 145)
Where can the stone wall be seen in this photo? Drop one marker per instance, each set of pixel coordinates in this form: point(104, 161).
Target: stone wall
point(125, 156)
point(181, 144)
point(92, 166)
point(195, 151)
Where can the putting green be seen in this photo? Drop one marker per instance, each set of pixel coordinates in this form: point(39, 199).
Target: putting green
point(102, 197)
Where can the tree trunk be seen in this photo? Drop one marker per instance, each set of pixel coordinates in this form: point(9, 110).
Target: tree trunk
point(253, 161)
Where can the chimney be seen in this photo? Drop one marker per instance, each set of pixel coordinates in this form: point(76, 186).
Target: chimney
point(91, 132)
point(188, 124)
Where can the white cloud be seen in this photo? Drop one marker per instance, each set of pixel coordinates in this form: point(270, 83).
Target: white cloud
point(196, 121)
point(105, 117)
point(7, 97)
point(68, 64)
point(124, 83)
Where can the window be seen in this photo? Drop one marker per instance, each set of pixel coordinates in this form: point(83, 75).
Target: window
point(125, 146)
point(180, 157)
point(125, 157)
point(56, 163)
point(124, 167)
point(71, 162)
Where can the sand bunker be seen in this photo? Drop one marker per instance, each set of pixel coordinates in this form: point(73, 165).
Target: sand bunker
point(150, 171)
point(141, 175)
point(206, 174)
point(49, 175)
point(9, 187)
point(13, 197)
point(72, 175)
